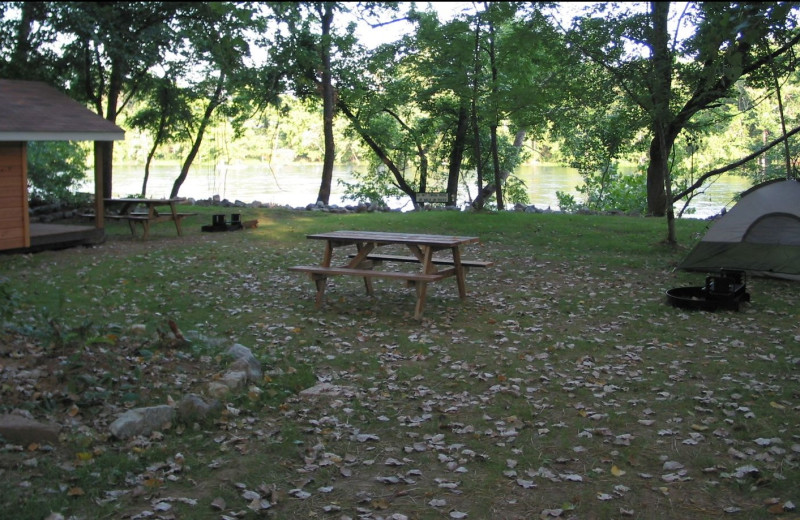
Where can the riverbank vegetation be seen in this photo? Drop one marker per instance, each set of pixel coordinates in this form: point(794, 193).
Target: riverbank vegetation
point(563, 387)
point(683, 90)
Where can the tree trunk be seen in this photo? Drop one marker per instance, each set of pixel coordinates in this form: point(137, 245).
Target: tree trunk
point(486, 191)
point(659, 187)
point(421, 153)
point(327, 107)
point(660, 90)
point(400, 182)
point(213, 103)
point(114, 93)
point(21, 57)
point(476, 133)
point(786, 150)
point(150, 154)
point(457, 155)
point(158, 138)
point(656, 172)
point(498, 177)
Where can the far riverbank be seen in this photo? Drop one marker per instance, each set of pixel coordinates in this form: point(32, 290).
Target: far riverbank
point(296, 185)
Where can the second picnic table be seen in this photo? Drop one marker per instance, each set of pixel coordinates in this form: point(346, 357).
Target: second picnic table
point(151, 215)
point(421, 246)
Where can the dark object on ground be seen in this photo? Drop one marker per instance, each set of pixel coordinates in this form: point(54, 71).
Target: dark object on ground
point(725, 291)
point(218, 223)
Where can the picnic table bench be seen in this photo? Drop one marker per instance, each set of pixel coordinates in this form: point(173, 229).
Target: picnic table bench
point(363, 261)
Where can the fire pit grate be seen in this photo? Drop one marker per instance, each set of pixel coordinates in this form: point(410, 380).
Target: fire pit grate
point(725, 291)
point(218, 223)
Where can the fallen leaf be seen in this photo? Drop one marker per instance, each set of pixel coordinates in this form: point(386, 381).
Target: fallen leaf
point(380, 503)
point(525, 484)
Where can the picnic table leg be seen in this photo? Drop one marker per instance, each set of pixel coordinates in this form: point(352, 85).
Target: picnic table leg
point(327, 255)
point(175, 218)
point(178, 225)
point(132, 225)
point(320, 281)
point(145, 229)
point(460, 277)
point(422, 289)
point(363, 251)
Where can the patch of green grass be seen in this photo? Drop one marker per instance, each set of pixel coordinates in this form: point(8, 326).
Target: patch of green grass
point(564, 362)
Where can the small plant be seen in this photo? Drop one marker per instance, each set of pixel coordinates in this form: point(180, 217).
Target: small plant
point(371, 188)
point(609, 190)
point(8, 300)
point(516, 192)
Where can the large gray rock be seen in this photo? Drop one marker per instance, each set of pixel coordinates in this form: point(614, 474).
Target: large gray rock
point(193, 408)
point(142, 421)
point(235, 380)
point(245, 360)
point(22, 430)
point(218, 390)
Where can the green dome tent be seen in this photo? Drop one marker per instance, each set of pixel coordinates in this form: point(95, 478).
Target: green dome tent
point(760, 234)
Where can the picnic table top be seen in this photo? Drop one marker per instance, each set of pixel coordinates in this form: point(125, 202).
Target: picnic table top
point(394, 238)
point(131, 200)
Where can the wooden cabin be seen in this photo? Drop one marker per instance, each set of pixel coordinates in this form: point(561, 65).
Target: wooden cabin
point(35, 111)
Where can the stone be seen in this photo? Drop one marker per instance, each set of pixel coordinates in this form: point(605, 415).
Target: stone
point(218, 390)
point(142, 421)
point(243, 365)
point(234, 379)
point(327, 389)
point(193, 408)
point(138, 329)
point(245, 360)
point(23, 430)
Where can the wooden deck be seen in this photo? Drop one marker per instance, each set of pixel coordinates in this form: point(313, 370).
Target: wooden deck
point(59, 236)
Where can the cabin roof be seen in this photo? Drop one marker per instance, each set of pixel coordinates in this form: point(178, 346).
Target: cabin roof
point(35, 111)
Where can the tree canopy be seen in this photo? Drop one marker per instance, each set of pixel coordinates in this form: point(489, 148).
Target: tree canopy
point(453, 105)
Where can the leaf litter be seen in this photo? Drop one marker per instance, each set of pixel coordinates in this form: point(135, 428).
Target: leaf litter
point(515, 401)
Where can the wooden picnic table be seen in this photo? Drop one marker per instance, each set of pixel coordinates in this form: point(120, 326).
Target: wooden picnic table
point(361, 263)
point(127, 209)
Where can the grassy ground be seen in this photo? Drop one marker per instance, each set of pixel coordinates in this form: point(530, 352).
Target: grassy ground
point(564, 387)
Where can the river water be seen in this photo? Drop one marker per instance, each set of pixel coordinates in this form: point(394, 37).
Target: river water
point(296, 185)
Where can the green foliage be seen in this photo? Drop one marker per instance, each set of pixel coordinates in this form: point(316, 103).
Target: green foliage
point(55, 170)
point(677, 79)
point(160, 64)
point(372, 187)
point(8, 300)
point(293, 377)
point(516, 192)
point(609, 191)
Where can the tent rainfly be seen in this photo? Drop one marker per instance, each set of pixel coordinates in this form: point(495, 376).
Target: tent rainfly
point(759, 235)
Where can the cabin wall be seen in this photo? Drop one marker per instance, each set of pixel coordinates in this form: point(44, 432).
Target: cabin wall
point(14, 220)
